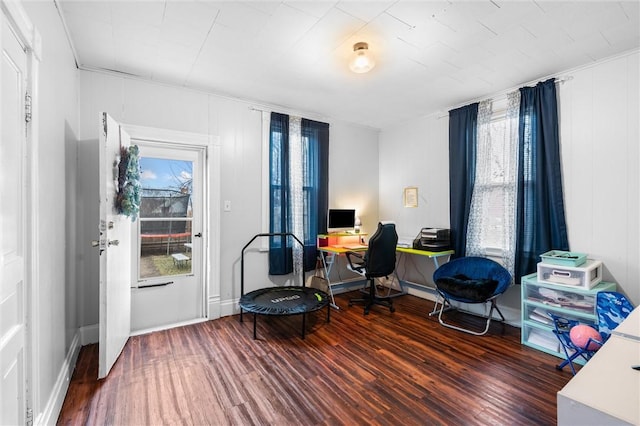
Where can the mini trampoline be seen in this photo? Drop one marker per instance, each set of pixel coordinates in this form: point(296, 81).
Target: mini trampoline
point(281, 301)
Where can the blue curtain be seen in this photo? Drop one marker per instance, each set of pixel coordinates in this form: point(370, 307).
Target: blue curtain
point(315, 136)
point(463, 123)
point(280, 257)
point(540, 222)
point(315, 139)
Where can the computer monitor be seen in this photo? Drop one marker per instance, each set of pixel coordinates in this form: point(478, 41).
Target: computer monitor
point(341, 220)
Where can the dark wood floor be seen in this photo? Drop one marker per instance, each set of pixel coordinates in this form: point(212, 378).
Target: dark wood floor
point(387, 369)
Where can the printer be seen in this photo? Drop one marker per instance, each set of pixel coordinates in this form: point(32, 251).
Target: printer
point(433, 239)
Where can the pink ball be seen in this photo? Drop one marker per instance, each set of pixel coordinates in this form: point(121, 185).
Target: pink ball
point(580, 335)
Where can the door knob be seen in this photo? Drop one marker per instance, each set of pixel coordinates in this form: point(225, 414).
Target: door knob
point(96, 243)
point(199, 235)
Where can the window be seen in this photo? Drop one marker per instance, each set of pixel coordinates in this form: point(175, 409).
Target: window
point(310, 184)
point(531, 138)
point(498, 187)
point(166, 217)
point(492, 230)
point(297, 189)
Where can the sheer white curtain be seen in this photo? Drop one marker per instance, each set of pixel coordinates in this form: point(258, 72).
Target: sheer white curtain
point(296, 162)
point(492, 220)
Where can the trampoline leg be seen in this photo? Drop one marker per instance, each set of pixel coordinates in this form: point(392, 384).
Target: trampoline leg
point(255, 320)
point(304, 320)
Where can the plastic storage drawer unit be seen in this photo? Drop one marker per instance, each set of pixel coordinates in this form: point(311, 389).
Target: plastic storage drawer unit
point(586, 276)
point(540, 299)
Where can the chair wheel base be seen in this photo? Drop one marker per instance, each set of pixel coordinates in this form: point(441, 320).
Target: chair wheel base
point(371, 303)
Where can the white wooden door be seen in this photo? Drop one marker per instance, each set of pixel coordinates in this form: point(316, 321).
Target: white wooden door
point(115, 251)
point(13, 342)
point(170, 287)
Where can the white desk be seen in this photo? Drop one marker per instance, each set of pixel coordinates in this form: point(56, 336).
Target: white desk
point(606, 391)
point(630, 327)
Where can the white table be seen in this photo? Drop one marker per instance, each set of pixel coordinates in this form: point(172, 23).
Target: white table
point(606, 391)
point(630, 327)
point(180, 259)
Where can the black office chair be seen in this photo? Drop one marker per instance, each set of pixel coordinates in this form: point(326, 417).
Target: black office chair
point(378, 261)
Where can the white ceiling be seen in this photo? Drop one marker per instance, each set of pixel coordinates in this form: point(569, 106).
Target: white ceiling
point(431, 55)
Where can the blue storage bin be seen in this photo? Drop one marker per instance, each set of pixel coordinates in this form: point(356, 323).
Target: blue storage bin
point(564, 258)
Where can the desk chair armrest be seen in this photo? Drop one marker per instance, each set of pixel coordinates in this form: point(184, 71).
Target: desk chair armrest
point(356, 262)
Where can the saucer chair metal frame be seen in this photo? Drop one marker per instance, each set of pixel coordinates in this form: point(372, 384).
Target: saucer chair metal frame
point(477, 269)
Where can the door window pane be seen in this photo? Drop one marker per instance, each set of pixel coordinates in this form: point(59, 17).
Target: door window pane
point(165, 217)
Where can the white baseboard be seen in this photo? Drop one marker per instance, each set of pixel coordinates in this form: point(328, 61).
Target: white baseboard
point(229, 307)
point(89, 334)
point(420, 291)
point(214, 311)
point(167, 326)
point(512, 316)
point(49, 415)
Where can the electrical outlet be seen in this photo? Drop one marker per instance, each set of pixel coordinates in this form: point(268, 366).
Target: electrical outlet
point(227, 205)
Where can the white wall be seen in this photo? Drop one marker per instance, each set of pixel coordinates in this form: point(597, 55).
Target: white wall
point(353, 172)
point(412, 155)
point(56, 286)
point(599, 141)
point(599, 132)
point(353, 169)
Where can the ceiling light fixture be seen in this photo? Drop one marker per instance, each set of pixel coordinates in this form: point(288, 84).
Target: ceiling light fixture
point(361, 61)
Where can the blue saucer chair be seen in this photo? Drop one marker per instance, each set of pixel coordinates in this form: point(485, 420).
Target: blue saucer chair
point(470, 280)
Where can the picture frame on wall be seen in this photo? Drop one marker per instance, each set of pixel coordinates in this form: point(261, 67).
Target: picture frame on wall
point(410, 196)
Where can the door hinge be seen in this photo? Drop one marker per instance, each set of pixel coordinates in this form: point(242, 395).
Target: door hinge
point(29, 417)
point(27, 107)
